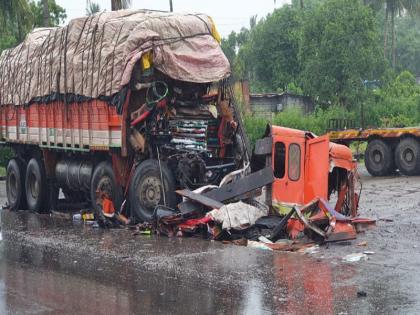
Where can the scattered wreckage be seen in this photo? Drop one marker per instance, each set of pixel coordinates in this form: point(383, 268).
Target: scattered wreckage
point(132, 112)
point(299, 172)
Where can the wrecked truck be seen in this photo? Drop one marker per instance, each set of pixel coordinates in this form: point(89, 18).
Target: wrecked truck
point(300, 173)
point(307, 167)
point(123, 108)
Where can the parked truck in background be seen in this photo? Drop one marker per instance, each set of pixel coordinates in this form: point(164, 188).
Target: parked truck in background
point(132, 105)
point(388, 149)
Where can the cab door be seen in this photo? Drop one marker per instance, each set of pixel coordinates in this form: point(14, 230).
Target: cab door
point(288, 159)
point(317, 168)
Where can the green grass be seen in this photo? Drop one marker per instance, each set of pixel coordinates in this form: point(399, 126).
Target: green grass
point(2, 171)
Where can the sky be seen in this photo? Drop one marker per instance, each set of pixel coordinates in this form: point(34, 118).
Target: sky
point(229, 15)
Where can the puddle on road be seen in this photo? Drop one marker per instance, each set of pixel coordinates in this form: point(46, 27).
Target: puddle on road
point(45, 280)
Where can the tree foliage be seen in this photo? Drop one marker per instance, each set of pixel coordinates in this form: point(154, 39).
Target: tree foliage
point(120, 4)
point(92, 7)
point(274, 47)
point(18, 17)
point(325, 50)
point(408, 44)
point(339, 50)
point(15, 20)
point(57, 13)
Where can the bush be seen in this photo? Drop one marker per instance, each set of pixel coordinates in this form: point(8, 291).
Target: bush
point(5, 155)
point(255, 127)
point(396, 104)
point(316, 122)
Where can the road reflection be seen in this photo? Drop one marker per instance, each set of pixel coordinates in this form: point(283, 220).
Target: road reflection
point(37, 276)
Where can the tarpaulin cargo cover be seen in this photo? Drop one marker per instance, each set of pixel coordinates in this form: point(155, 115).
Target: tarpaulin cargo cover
point(95, 56)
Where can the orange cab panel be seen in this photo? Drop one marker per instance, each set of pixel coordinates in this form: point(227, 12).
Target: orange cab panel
point(316, 168)
point(288, 164)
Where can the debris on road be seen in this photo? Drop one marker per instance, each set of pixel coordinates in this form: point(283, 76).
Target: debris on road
point(258, 245)
point(231, 212)
point(355, 257)
point(237, 216)
point(245, 224)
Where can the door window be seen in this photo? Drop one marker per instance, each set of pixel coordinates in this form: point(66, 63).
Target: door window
point(294, 162)
point(279, 159)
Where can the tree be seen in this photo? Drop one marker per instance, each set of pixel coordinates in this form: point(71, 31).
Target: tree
point(339, 49)
point(229, 47)
point(120, 4)
point(92, 7)
point(408, 44)
point(15, 21)
point(18, 17)
point(234, 48)
point(397, 7)
point(270, 56)
point(46, 13)
point(57, 14)
point(392, 9)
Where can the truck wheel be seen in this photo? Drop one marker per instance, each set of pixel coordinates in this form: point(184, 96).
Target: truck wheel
point(15, 184)
point(36, 186)
point(378, 158)
point(407, 156)
point(146, 189)
point(103, 179)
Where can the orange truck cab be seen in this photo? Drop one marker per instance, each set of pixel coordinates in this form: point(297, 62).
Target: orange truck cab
point(307, 167)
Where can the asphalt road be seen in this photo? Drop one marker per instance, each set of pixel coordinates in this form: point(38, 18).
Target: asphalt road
point(50, 266)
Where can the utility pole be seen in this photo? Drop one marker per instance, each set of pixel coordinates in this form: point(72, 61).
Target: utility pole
point(46, 13)
point(171, 8)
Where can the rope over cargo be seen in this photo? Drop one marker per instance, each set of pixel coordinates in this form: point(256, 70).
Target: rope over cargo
point(94, 57)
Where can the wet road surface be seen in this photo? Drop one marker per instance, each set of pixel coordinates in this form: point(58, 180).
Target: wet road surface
point(48, 265)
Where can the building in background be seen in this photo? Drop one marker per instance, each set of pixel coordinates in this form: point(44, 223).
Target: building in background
point(268, 104)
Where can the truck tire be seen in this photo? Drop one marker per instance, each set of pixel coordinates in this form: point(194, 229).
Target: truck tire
point(103, 178)
point(36, 186)
point(407, 156)
point(15, 184)
point(378, 158)
point(146, 190)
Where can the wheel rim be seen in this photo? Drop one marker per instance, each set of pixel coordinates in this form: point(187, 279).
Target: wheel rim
point(408, 156)
point(33, 186)
point(377, 156)
point(150, 193)
point(105, 185)
point(12, 185)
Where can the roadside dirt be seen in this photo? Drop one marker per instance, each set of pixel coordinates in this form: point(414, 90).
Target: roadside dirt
point(48, 265)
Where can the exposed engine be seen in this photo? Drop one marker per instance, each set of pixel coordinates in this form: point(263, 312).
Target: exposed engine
point(190, 127)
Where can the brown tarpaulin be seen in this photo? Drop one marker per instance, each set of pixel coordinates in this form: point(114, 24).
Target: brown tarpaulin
point(95, 56)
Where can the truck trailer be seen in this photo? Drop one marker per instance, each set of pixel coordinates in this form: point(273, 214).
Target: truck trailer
point(388, 149)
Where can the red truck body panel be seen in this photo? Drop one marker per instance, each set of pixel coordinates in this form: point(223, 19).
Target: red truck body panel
point(87, 125)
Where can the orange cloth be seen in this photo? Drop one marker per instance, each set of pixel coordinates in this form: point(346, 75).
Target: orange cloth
point(108, 206)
